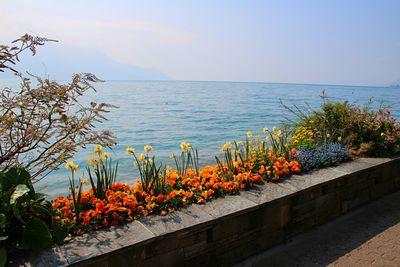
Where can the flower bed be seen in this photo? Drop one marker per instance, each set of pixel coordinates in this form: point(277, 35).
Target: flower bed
point(228, 230)
point(161, 190)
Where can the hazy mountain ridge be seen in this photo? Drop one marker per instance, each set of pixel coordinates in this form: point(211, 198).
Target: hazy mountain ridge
point(59, 63)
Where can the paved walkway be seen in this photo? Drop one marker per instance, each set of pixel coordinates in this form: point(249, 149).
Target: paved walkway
point(368, 236)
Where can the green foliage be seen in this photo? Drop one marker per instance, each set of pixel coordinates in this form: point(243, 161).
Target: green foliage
point(152, 176)
point(76, 195)
point(328, 124)
point(25, 216)
point(102, 174)
point(228, 165)
point(189, 159)
point(364, 130)
point(278, 141)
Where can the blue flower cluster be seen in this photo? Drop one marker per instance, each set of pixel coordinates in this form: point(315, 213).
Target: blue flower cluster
point(321, 156)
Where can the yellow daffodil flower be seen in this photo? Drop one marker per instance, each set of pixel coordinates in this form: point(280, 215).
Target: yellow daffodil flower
point(91, 160)
point(71, 166)
point(98, 150)
point(185, 146)
point(129, 150)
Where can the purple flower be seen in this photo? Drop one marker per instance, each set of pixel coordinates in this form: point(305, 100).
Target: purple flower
point(323, 156)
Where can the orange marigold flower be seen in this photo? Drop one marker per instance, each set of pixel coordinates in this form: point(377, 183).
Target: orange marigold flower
point(200, 200)
point(140, 209)
point(86, 220)
point(295, 166)
point(281, 160)
point(84, 199)
point(210, 192)
point(172, 194)
point(262, 169)
point(100, 207)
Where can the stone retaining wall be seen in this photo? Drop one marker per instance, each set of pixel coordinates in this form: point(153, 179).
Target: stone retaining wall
point(230, 229)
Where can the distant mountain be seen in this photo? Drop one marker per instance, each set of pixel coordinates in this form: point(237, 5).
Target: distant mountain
point(395, 84)
point(59, 63)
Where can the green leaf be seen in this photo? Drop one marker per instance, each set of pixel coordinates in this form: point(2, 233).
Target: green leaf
point(2, 238)
point(3, 220)
point(41, 210)
point(40, 197)
point(58, 232)
point(13, 177)
point(19, 191)
point(2, 176)
point(36, 235)
point(17, 213)
point(3, 257)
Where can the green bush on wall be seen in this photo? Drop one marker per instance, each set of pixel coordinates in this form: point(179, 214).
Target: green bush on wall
point(25, 216)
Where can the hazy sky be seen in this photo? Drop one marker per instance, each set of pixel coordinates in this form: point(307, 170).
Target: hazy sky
point(331, 41)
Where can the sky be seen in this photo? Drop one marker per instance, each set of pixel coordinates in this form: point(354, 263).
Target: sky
point(309, 41)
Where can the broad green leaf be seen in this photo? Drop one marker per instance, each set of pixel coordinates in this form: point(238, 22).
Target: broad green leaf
point(3, 257)
point(41, 210)
point(3, 220)
point(12, 178)
point(36, 235)
point(58, 232)
point(19, 191)
point(2, 176)
point(17, 213)
point(40, 196)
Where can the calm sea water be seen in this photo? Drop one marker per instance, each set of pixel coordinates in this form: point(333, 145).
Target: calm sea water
point(205, 114)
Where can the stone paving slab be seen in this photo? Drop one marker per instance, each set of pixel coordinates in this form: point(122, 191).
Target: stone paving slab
point(180, 219)
point(104, 241)
point(227, 205)
point(355, 166)
point(51, 257)
point(375, 161)
point(316, 177)
point(261, 194)
point(368, 236)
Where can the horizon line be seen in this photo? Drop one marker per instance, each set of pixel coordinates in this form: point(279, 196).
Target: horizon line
point(233, 81)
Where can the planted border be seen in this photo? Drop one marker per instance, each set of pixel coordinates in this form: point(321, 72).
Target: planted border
point(227, 230)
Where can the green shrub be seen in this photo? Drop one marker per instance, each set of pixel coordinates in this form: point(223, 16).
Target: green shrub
point(364, 130)
point(25, 216)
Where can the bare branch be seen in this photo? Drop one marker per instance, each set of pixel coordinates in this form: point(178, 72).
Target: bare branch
point(42, 126)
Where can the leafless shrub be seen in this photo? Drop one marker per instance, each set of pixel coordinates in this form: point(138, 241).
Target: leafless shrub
point(42, 123)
